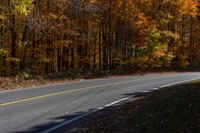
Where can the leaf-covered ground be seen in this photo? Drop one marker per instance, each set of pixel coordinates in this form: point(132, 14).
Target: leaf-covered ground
point(15, 82)
point(11, 83)
point(171, 110)
point(26, 80)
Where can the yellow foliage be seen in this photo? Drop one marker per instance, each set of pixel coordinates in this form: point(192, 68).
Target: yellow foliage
point(189, 7)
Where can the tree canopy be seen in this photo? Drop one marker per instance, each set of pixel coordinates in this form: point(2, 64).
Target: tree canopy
point(51, 36)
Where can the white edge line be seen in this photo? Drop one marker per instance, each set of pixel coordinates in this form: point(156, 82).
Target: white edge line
point(155, 89)
point(116, 102)
point(82, 116)
point(180, 82)
point(146, 91)
point(108, 105)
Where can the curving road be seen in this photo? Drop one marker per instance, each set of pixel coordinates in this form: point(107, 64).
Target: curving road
point(40, 109)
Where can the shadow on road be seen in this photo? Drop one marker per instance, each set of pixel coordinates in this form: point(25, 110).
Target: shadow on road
point(79, 125)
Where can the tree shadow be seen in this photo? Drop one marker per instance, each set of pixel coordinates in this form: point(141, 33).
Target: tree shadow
point(54, 122)
point(78, 125)
point(137, 94)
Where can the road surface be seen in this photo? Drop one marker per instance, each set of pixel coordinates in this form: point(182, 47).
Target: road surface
point(40, 109)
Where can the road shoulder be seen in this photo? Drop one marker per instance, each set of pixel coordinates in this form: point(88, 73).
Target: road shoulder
point(171, 109)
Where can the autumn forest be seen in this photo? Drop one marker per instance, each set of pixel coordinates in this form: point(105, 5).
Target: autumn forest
point(52, 36)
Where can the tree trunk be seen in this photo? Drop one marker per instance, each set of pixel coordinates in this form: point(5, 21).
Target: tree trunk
point(13, 36)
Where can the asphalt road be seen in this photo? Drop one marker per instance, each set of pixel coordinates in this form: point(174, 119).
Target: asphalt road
point(38, 109)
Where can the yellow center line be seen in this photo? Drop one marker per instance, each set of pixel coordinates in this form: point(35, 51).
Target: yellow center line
point(63, 92)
